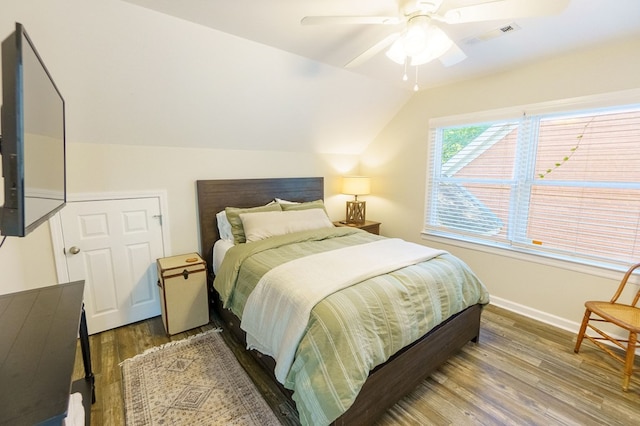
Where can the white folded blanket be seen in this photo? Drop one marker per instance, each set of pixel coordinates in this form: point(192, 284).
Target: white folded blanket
point(75, 412)
point(277, 310)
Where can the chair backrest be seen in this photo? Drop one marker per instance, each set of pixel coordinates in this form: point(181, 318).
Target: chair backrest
point(623, 283)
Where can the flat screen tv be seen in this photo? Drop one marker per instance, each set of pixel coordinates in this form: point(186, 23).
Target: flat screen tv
point(32, 141)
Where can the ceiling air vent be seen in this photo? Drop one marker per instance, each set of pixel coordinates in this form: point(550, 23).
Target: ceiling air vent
point(493, 33)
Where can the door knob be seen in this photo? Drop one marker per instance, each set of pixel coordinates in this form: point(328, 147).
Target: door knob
point(74, 250)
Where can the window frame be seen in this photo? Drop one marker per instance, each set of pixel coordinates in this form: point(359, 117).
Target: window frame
point(513, 248)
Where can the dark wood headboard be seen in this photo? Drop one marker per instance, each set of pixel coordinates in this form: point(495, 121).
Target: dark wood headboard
point(214, 195)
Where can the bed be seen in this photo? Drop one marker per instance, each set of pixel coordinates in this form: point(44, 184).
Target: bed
point(387, 382)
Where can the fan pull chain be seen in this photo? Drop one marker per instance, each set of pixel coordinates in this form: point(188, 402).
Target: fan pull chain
point(415, 87)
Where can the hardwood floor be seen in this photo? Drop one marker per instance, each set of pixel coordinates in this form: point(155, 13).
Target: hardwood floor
point(521, 372)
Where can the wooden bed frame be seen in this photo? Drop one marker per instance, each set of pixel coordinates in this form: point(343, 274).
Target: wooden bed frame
point(387, 383)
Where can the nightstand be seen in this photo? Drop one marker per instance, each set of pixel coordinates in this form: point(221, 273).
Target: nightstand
point(368, 225)
point(183, 292)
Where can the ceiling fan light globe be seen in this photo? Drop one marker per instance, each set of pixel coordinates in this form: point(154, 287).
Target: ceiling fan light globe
point(423, 58)
point(427, 55)
point(397, 53)
point(416, 37)
point(414, 40)
point(438, 44)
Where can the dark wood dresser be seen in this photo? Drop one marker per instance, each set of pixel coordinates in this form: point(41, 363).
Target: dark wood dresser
point(38, 339)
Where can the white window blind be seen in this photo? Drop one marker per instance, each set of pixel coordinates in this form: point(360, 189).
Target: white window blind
point(565, 184)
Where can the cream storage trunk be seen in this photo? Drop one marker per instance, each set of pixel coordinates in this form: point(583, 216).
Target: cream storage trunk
point(183, 292)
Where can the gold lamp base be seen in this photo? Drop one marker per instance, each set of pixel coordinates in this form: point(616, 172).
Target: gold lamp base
point(356, 212)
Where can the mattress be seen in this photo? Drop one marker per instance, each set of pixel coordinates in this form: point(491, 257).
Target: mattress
point(220, 249)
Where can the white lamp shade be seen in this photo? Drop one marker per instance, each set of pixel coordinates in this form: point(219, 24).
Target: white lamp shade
point(356, 185)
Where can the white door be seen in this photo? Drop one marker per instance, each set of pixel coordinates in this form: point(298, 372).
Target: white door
point(113, 245)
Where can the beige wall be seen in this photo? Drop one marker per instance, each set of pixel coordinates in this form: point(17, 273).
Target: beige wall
point(137, 83)
point(109, 168)
point(27, 263)
point(397, 162)
point(95, 168)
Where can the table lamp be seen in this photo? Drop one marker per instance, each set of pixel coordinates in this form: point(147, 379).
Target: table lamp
point(356, 185)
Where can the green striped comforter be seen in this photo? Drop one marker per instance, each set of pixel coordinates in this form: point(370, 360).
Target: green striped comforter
point(352, 331)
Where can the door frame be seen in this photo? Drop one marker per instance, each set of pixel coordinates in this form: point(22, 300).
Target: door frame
point(55, 223)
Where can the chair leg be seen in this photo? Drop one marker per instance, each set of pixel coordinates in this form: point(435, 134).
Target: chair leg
point(583, 329)
point(628, 366)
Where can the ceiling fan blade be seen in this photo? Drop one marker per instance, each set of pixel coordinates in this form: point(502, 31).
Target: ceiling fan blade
point(504, 9)
point(372, 51)
point(350, 20)
point(452, 56)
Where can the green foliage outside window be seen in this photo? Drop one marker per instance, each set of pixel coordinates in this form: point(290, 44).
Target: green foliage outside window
point(455, 139)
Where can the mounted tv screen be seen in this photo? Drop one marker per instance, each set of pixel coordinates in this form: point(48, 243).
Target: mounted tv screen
point(33, 138)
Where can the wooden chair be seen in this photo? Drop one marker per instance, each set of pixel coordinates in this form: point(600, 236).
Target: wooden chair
point(624, 316)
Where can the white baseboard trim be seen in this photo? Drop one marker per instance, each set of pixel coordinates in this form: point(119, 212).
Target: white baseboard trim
point(571, 326)
point(555, 321)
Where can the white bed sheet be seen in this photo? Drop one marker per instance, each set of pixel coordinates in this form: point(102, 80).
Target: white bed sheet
point(220, 248)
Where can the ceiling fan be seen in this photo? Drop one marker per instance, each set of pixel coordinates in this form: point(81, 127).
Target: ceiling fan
point(422, 39)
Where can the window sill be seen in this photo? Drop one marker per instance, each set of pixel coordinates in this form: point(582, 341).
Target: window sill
point(609, 271)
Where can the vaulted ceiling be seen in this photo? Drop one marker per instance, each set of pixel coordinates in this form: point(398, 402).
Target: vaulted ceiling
point(246, 75)
point(277, 23)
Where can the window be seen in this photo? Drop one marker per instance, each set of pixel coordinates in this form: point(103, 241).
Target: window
point(564, 184)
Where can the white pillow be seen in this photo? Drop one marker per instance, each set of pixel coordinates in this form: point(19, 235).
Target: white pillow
point(224, 227)
point(281, 201)
point(261, 225)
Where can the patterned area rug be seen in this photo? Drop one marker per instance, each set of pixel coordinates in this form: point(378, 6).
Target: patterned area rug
point(196, 381)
